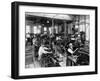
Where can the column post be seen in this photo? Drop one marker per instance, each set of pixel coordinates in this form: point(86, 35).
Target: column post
point(65, 29)
point(52, 26)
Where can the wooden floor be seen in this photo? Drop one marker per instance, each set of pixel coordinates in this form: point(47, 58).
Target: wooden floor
point(30, 60)
point(36, 64)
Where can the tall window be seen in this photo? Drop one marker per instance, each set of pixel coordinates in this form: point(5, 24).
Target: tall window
point(82, 22)
point(27, 28)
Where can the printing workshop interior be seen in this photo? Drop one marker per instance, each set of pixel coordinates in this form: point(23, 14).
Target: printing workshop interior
point(56, 40)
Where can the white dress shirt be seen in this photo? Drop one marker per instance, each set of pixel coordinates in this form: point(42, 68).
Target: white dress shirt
point(42, 50)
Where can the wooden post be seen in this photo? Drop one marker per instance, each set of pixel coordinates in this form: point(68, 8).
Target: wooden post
point(52, 26)
point(85, 26)
point(79, 25)
point(65, 28)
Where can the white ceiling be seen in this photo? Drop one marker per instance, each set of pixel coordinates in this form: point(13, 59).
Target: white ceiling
point(55, 16)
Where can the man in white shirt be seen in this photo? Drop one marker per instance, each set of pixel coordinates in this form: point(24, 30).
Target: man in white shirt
point(42, 50)
point(73, 58)
point(70, 49)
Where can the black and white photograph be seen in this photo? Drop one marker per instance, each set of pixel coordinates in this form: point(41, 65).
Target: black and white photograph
point(56, 40)
point(51, 40)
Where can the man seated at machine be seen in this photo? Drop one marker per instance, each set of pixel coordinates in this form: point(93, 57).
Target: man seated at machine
point(70, 55)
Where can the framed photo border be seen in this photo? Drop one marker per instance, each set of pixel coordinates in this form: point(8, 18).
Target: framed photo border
point(15, 39)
